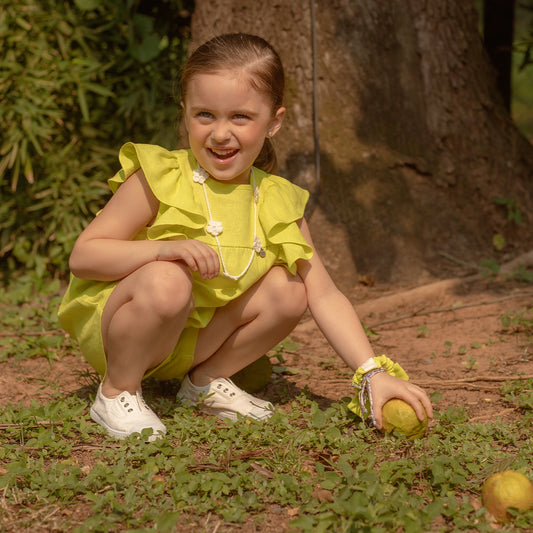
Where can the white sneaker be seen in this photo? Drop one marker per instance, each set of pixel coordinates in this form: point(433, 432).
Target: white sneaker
point(224, 399)
point(126, 414)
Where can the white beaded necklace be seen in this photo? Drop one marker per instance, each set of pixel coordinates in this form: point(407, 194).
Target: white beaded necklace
point(214, 227)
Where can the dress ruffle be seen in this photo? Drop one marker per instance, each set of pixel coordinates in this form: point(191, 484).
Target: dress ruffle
point(285, 207)
point(182, 212)
point(169, 176)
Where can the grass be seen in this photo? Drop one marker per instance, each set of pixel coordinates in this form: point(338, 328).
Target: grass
point(308, 469)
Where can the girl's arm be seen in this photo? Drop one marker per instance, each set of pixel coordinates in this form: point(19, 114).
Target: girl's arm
point(104, 251)
point(338, 321)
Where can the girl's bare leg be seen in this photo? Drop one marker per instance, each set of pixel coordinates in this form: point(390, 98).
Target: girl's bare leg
point(246, 328)
point(142, 322)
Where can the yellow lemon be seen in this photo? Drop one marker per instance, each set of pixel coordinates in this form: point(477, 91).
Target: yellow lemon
point(400, 416)
point(255, 376)
point(507, 489)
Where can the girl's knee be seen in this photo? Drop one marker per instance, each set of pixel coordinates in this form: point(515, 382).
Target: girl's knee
point(286, 292)
point(166, 288)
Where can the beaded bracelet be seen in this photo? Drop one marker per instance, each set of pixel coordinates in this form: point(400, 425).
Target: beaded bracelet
point(363, 405)
point(365, 394)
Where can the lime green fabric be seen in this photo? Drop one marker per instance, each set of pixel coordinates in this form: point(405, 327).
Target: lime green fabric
point(392, 368)
point(183, 214)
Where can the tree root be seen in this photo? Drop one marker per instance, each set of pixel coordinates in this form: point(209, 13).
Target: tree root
point(419, 296)
point(522, 261)
point(423, 295)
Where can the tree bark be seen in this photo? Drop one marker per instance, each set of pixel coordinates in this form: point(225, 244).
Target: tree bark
point(415, 141)
point(498, 26)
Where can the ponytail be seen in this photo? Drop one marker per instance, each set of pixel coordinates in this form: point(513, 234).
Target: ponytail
point(267, 159)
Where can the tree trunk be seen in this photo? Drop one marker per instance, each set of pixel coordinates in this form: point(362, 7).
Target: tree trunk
point(498, 26)
point(415, 141)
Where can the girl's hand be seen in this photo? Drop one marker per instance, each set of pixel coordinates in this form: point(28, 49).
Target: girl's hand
point(384, 387)
point(197, 255)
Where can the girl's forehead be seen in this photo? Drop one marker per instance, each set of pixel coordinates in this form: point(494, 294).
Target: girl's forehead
point(224, 83)
point(241, 76)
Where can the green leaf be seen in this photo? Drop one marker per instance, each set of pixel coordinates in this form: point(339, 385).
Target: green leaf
point(498, 241)
point(147, 50)
point(88, 5)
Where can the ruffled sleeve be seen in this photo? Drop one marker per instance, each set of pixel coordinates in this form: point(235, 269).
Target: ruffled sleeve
point(169, 175)
point(283, 206)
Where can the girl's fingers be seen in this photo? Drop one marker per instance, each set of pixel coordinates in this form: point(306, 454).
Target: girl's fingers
point(385, 387)
point(418, 400)
point(423, 397)
point(198, 256)
point(206, 260)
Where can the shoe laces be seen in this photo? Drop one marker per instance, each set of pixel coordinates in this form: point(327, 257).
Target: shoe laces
point(141, 401)
point(225, 390)
point(126, 405)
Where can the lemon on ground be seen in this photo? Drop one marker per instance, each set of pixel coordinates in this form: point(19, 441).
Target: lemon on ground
point(507, 489)
point(400, 416)
point(255, 376)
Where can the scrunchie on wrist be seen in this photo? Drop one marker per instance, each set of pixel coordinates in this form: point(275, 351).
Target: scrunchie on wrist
point(362, 404)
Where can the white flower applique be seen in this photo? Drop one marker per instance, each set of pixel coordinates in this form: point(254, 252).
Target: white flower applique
point(258, 246)
point(199, 175)
point(214, 227)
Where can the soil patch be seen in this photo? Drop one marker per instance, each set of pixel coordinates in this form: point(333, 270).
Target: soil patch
point(448, 336)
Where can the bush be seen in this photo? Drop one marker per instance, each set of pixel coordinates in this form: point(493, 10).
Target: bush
point(77, 80)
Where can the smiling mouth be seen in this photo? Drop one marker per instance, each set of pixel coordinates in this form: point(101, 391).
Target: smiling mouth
point(223, 154)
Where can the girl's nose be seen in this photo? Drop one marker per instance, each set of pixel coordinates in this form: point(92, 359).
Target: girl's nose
point(220, 132)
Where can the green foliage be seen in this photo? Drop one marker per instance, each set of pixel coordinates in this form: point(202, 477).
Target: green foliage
point(518, 320)
point(514, 215)
point(318, 468)
point(519, 393)
point(523, 44)
point(77, 80)
point(28, 320)
point(313, 468)
point(514, 211)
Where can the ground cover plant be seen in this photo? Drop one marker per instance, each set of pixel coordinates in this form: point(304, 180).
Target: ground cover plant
point(313, 467)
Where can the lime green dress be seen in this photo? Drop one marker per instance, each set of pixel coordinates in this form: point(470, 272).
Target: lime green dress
point(183, 214)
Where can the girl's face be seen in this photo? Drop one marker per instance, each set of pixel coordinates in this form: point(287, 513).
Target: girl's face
point(227, 121)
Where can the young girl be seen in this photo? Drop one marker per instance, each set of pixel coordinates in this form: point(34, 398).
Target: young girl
point(202, 261)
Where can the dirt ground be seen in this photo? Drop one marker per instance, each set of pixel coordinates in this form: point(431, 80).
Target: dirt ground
point(448, 336)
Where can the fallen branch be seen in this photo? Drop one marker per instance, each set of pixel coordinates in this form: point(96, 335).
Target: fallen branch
point(461, 262)
point(450, 308)
point(496, 379)
point(464, 383)
point(469, 383)
point(462, 386)
point(522, 261)
point(492, 415)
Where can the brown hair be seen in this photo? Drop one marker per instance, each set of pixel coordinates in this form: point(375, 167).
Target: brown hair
point(257, 58)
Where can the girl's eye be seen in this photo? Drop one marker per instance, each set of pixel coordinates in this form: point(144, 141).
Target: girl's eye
point(204, 114)
point(240, 117)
